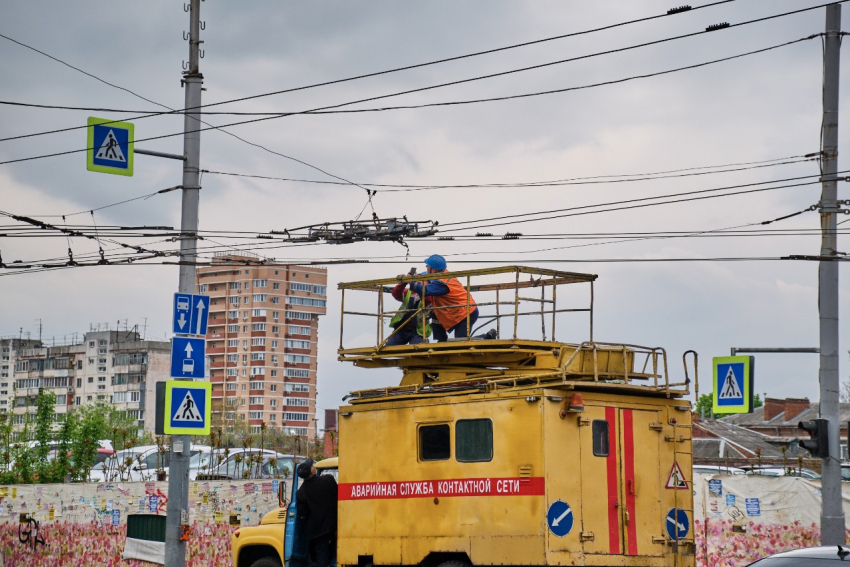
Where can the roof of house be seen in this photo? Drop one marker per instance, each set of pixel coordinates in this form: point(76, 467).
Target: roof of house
point(739, 439)
point(756, 419)
point(712, 448)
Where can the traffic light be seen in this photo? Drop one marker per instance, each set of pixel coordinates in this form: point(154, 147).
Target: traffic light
point(817, 429)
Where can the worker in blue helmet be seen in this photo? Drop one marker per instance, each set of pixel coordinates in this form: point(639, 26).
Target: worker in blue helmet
point(454, 308)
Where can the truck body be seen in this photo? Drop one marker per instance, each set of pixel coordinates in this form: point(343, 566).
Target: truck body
point(513, 452)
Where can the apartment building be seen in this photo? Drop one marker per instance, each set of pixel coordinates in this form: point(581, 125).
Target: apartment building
point(116, 367)
point(262, 342)
point(122, 369)
point(10, 351)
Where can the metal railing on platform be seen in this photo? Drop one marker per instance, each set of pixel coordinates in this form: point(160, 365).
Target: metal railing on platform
point(494, 292)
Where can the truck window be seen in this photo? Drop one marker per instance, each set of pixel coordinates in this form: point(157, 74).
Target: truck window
point(474, 440)
point(434, 442)
point(600, 438)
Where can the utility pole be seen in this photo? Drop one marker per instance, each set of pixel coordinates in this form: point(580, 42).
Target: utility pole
point(832, 514)
point(178, 473)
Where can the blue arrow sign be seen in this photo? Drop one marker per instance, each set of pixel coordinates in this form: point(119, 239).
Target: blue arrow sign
point(560, 518)
point(187, 357)
point(191, 314)
point(678, 524)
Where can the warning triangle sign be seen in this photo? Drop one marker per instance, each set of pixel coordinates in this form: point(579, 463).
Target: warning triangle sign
point(676, 480)
point(110, 149)
point(730, 388)
point(188, 410)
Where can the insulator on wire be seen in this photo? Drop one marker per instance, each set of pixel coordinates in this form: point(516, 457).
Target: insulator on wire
point(678, 10)
point(715, 27)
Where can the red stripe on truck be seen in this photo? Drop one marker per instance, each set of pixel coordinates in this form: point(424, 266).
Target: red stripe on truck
point(613, 484)
point(629, 466)
point(450, 487)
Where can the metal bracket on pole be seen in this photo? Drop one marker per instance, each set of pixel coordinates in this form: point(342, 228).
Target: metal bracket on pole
point(748, 350)
point(159, 154)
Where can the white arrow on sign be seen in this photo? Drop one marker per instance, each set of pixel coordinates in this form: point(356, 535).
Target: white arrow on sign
point(188, 350)
point(200, 307)
point(557, 520)
point(680, 527)
point(181, 321)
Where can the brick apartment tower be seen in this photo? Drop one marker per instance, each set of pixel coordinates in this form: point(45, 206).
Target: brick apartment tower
point(262, 342)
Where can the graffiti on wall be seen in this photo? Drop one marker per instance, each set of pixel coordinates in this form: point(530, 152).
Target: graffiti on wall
point(86, 524)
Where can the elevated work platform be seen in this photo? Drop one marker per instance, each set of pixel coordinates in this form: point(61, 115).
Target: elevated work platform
point(476, 364)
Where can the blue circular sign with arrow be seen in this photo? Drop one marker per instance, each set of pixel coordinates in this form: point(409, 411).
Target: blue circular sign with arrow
point(678, 524)
point(560, 518)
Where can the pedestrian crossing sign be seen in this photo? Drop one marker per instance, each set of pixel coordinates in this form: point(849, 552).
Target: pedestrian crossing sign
point(187, 407)
point(110, 146)
point(733, 384)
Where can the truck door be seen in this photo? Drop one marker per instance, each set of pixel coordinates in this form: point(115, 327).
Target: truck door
point(621, 482)
point(601, 520)
point(641, 483)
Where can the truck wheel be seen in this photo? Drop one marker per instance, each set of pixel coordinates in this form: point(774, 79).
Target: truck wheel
point(454, 563)
point(266, 562)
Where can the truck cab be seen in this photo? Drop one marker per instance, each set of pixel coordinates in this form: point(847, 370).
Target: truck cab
point(279, 539)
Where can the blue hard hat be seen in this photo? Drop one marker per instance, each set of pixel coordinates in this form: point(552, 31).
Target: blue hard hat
point(436, 262)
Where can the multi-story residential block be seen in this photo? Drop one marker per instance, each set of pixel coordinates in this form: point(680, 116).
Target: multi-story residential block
point(262, 342)
point(10, 350)
point(44, 368)
point(116, 367)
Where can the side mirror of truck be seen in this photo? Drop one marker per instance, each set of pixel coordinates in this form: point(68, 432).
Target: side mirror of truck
point(281, 494)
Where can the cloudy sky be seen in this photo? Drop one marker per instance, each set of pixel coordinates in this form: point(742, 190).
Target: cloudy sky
point(756, 108)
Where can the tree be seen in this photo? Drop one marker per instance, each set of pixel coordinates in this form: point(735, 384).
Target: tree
point(44, 413)
point(704, 405)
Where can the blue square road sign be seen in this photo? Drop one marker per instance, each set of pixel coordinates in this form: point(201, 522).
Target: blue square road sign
point(187, 357)
point(187, 407)
point(190, 314)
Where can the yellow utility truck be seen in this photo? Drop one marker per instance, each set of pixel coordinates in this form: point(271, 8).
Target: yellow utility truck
point(506, 451)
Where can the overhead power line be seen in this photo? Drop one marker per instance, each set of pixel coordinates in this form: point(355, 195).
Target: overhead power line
point(170, 111)
point(441, 85)
point(588, 180)
point(272, 115)
point(642, 200)
point(393, 70)
point(55, 154)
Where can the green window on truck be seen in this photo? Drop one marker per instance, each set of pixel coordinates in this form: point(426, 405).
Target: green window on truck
point(474, 440)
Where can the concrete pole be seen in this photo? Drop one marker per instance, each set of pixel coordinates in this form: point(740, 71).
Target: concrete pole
point(178, 473)
point(832, 514)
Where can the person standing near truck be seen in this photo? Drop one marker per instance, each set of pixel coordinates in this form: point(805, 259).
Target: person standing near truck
point(316, 501)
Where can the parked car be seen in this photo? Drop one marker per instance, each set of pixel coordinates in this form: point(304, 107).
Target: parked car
point(242, 463)
point(716, 469)
point(773, 470)
point(102, 455)
point(845, 472)
point(137, 464)
point(806, 557)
